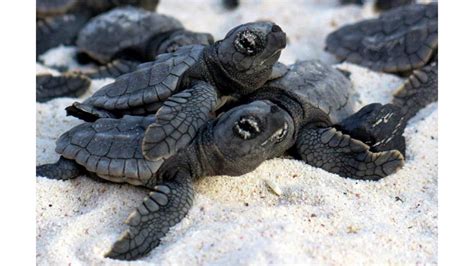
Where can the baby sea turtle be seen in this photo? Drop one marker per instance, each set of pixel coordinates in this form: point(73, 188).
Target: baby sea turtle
point(133, 34)
point(401, 40)
point(277, 119)
point(59, 21)
point(189, 84)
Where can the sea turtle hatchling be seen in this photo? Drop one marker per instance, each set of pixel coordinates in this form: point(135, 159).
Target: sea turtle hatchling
point(188, 85)
point(59, 21)
point(133, 35)
point(402, 40)
point(277, 119)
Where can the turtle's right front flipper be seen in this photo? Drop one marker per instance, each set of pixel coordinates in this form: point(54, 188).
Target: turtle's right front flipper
point(178, 120)
point(63, 169)
point(337, 153)
point(163, 208)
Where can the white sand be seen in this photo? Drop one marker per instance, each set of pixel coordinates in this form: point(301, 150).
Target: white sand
point(319, 218)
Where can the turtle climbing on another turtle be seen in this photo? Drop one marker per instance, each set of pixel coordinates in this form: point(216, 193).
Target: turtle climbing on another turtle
point(188, 85)
point(292, 113)
point(404, 41)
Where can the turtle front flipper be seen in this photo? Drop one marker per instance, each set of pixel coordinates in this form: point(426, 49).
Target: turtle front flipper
point(113, 69)
point(49, 87)
point(160, 210)
point(337, 153)
point(379, 126)
point(178, 120)
point(63, 169)
point(419, 90)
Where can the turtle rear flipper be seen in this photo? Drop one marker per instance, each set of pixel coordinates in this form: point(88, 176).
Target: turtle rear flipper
point(334, 152)
point(148, 224)
point(63, 169)
point(178, 120)
point(379, 126)
point(113, 69)
point(419, 90)
point(49, 87)
point(86, 112)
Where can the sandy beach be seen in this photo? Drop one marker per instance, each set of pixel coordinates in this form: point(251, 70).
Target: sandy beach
point(318, 218)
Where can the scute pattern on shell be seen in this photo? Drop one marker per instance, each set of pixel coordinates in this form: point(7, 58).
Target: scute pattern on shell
point(120, 29)
point(399, 40)
point(111, 148)
point(322, 86)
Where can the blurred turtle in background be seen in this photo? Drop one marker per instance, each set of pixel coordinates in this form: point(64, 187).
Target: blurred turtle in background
point(403, 41)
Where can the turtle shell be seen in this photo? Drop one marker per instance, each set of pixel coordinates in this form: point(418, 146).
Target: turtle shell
point(142, 91)
point(123, 28)
point(321, 86)
point(400, 40)
point(111, 148)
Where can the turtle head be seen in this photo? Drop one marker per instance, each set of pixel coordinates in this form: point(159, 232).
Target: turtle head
point(183, 38)
point(249, 134)
point(251, 49)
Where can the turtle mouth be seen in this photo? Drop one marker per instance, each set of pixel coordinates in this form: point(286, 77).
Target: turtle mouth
point(247, 127)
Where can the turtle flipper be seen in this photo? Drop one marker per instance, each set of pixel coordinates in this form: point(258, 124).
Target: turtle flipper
point(49, 87)
point(63, 169)
point(178, 120)
point(337, 153)
point(113, 69)
point(419, 90)
point(87, 112)
point(160, 210)
point(379, 126)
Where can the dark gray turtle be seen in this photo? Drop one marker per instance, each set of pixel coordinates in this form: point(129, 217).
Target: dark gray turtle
point(401, 40)
point(277, 119)
point(59, 21)
point(205, 78)
point(135, 34)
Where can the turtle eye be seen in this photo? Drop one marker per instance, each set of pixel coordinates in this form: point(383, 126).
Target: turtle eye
point(247, 127)
point(247, 42)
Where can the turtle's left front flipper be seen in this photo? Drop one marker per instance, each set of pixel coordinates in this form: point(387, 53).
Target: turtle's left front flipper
point(160, 210)
point(379, 126)
point(49, 87)
point(178, 120)
point(337, 153)
point(419, 90)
